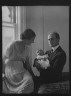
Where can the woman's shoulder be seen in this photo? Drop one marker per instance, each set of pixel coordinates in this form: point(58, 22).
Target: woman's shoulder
point(17, 42)
point(11, 45)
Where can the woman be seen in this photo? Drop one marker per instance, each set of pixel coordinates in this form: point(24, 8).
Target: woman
point(17, 70)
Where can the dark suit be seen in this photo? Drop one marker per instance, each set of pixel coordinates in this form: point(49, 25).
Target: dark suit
point(57, 60)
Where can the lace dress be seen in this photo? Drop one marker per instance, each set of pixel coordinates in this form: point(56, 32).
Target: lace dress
point(17, 79)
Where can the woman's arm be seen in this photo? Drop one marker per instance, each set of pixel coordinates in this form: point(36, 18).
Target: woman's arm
point(28, 66)
point(5, 57)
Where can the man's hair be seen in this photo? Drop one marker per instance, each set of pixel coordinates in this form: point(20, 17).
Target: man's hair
point(56, 35)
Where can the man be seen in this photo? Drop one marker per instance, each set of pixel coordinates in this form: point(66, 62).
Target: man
point(57, 60)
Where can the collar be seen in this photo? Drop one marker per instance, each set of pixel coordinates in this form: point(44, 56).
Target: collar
point(54, 48)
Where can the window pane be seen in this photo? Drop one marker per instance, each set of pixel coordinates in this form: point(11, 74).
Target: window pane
point(8, 35)
point(5, 14)
point(9, 14)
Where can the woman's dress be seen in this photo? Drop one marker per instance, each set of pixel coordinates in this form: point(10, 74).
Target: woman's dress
point(17, 79)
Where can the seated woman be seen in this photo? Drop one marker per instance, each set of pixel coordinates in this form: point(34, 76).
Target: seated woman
point(17, 72)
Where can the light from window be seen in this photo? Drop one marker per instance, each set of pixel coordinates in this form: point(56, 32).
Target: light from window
point(9, 14)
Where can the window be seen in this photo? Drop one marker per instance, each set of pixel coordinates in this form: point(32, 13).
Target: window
point(9, 23)
point(9, 14)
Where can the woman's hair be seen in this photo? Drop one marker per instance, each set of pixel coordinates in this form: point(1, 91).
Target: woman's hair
point(27, 34)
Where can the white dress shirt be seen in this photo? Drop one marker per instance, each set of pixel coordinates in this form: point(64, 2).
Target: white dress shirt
point(54, 48)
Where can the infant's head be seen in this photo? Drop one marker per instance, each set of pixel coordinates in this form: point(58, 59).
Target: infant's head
point(40, 52)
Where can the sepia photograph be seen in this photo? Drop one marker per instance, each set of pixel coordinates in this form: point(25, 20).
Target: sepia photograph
point(35, 49)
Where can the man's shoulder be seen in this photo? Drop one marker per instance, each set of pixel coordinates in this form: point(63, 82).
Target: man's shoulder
point(60, 49)
point(61, 52)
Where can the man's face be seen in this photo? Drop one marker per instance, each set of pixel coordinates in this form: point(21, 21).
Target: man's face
point(52, 40)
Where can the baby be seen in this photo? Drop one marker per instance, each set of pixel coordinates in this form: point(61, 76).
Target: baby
point(41, 55)
point(42, 59)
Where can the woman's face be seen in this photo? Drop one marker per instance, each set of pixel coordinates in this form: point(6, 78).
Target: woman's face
point(29, 42)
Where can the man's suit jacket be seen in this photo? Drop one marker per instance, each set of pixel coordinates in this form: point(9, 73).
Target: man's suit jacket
point(57, 60)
